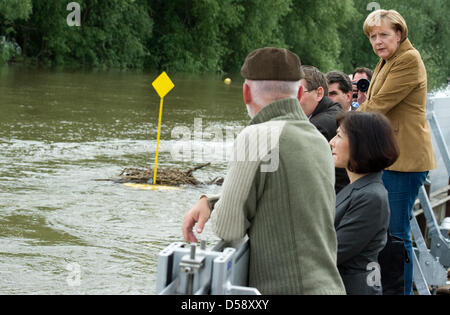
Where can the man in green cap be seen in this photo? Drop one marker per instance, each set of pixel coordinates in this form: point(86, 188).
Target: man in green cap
point(279, 187)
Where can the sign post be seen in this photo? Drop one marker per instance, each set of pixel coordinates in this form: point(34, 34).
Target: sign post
point(162, 85)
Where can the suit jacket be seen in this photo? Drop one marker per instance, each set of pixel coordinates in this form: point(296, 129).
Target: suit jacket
point(324, 118)
point(398, 90)
point(361, 223)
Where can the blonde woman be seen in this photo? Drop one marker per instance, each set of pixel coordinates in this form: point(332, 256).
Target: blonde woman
point(398, 90)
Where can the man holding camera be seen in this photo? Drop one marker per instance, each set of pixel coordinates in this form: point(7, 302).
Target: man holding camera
point(361, 80)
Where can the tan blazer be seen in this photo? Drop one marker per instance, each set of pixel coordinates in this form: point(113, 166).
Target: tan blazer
point(399, 90)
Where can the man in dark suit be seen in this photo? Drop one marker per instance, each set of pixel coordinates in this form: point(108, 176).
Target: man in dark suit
point(321, 111)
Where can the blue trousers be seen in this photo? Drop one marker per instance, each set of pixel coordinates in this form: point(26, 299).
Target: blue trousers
point(403, 188)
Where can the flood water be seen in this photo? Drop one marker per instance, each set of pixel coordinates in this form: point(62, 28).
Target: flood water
point(62, 232)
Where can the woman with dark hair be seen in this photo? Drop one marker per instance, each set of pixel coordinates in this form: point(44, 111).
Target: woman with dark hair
point(364, 145)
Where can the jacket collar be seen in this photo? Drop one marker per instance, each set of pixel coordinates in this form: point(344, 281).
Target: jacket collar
point(323, 106)
point(283, 109)
point(358, 184)
point(404, 47)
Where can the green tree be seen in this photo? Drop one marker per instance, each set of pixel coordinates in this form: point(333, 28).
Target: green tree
point(313, 31)
point(213, 35)
point(172, 43)
point(429, 31)
point(15, 9)
point(260, 25)
point(113, 33)
point(357, 51)
point(10, 12)
point(197, 36)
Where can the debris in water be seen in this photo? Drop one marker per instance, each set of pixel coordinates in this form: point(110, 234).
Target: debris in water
point(167, 177)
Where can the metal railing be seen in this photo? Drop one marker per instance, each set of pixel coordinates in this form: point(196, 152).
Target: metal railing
point(431, 264)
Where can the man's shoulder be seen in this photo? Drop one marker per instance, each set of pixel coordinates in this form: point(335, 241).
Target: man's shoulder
point(303, 128)
point(271, 126)
point(329, 115)
point(325, 121)
point(334, 109)
point(304, 137)
point(329, 110)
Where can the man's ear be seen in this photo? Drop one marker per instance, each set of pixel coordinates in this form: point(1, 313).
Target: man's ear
point(349, 97)
point(300, 92)
point(247, 94)
point(320, 93)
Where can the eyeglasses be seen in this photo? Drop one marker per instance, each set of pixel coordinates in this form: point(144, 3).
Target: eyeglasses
point(309, 91)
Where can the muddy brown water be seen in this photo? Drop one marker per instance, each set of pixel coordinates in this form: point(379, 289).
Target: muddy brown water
point(61, 232)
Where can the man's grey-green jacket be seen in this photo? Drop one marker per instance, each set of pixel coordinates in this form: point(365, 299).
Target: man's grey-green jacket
point(279, 189)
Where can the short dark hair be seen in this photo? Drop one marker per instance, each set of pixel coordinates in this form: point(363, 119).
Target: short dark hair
point(373, 146)
point(314, 79)
point(367, 71)
point(345, 85)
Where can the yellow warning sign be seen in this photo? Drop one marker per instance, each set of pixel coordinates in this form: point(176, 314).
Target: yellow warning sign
point(163, 84)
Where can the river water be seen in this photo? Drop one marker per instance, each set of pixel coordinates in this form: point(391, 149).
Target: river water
point(62, 232)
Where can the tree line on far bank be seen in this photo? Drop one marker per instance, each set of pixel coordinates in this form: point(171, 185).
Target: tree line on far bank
point(213, 36)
